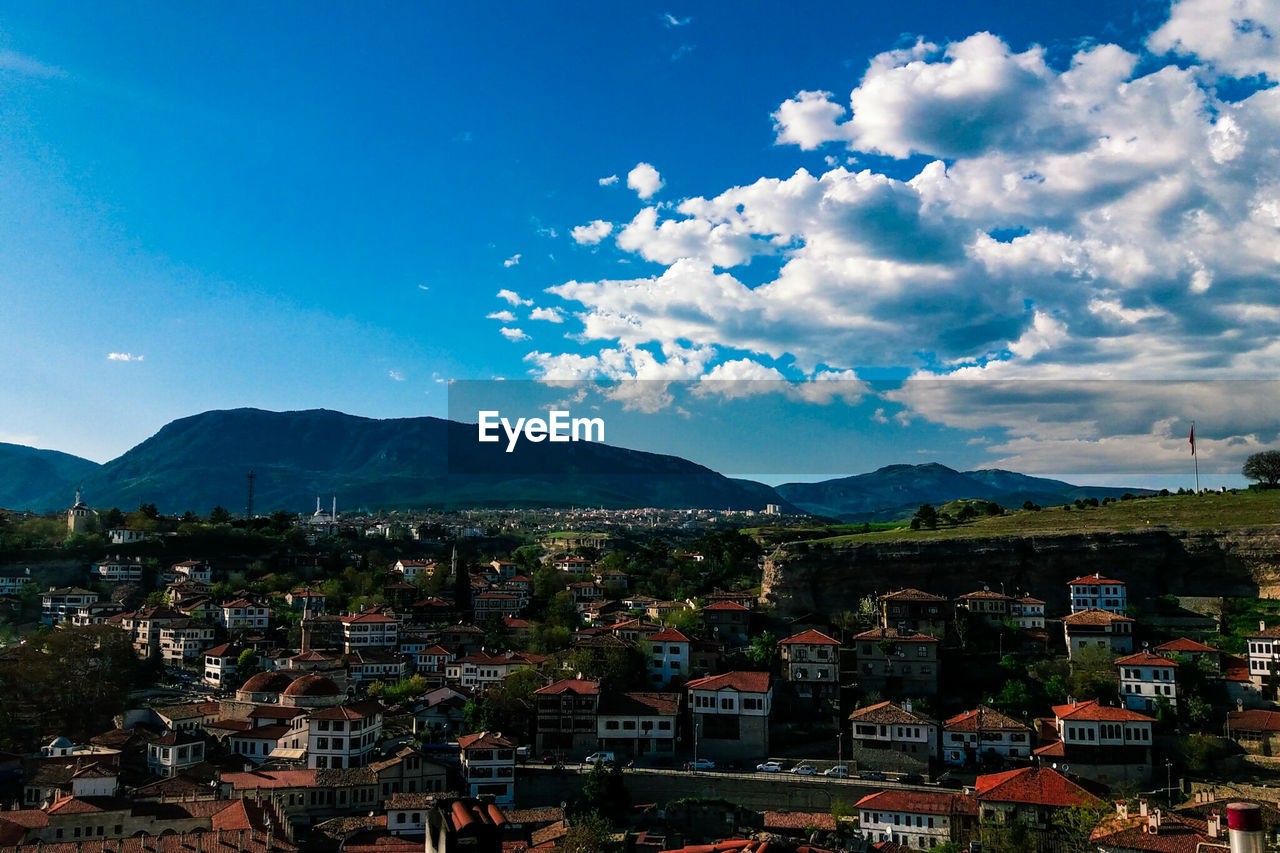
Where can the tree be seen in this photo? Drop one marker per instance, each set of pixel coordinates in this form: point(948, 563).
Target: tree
point(605, 793)
point(1264, 467)
point(589, 834)
point(926, 516)
point(763, 648)
point(247, 663)
point(1093, 673)
point(219, 515)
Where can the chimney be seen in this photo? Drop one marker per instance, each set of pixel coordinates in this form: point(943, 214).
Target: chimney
point(1215, 824)
point(1122, 809)
point(1142, 806)
point(906, 706)
point(1153, 822)
point(1262, 624)
point(1244, 827)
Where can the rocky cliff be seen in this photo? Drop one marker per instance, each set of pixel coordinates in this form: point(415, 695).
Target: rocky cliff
point(813, 577)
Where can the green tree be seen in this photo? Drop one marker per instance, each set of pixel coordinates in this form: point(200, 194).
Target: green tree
point(247, 663)
point(604, 792)
point(1263, 467)
point(1074, 825)
point(589, 834)
point(219, 515)
point(764, 647)
point(1093, 673)
point(926, 516)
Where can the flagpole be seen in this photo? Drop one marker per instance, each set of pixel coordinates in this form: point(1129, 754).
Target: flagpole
point(1195, 458)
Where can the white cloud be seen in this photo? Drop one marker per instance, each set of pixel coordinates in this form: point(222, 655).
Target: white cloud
point(502, 316)
point(645, 180)
point(395, 375)
point(424, 287)
point(512, 261)
point(551, 315)
point(11, 60)
point(672, 21)
point(608, 181)
point(513, 298)
point(513, 334)
point(593, 232)
point(124, 356)
point(1236, 37)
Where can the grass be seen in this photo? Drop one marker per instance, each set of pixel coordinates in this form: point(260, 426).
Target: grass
point(1213, 511)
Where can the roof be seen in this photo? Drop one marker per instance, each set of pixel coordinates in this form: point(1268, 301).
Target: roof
point(1176, 834)
point(809, 638)
point(640, 704)
point(176, 739)
point(798, 821)
point(730, 606)
point(580, 686)
point(984, 719)
point(887, 713)
point(985, 594)
point(1144, 658)
point(744, 682)
point(668, 635)
point(266, 682)
point(895, 635)
point(463, 813)
point(1094, 578)
point(1039, 786)
point(1184, 645)
point(1091, 711)
point(1094, 616)
point(223, 651)
point(356, 711)
point(254, 779)
point(910, 594)
point(231, 841)
point(485, 740)
point(365, 618)
point(313, 685)
point(919, 802)
point(1254, 720)
point(264, 732)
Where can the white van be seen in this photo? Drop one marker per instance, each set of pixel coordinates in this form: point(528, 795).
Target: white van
point(598, 758)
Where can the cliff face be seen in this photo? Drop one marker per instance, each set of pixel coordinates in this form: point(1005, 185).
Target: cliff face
point(800, 578)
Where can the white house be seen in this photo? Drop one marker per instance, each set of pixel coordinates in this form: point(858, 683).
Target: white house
point(1096, 627)
point(1144, 677)
point(196, 570)
point(57, 605)
point(731, 714)
point(174, 752)
point(886, 726)
point(118, 570)
point(811, 663)
point(489, 765)
point(638, 724)
point(365, 629)
point(220, 665)
point(343, 736)
point(920, 820)
point(1095, 592)
point(668, 656)
point(969, 737)
point(1028, 612)
point(244, 615)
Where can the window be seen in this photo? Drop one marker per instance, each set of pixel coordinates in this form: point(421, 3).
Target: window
point(922, 650)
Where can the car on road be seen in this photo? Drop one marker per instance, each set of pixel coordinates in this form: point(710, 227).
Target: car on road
point(598, 758)
point(840, 771)
point(805, 770)
point(872, 776)
point(911, 779)
point(702, 764)
point(770, 767)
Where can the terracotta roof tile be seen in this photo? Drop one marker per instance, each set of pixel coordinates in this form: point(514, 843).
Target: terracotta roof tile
point(809, 638)
point(745, 682)
point(920, 802)
point(1040, 786)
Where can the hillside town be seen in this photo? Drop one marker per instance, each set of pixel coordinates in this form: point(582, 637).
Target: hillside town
point(492, 683)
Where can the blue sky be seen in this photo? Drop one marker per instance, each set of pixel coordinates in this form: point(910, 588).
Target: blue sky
point(319, 205)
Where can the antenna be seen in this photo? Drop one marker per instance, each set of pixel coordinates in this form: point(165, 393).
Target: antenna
point(248, 504)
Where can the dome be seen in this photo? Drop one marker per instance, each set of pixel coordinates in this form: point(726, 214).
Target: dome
point(313, 685)
point(266, 682)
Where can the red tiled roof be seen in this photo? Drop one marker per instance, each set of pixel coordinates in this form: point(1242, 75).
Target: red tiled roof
point(745, 682)
point(887, 713)
point(1040, 786)
point(809, 638)
point(253, 779)
point(984, 719)
point(580, 686)
point(668, 635)
point(1235, 668)
point(799, 820)
point(1093, 579)
point(1144, 658)
point(489, 740)
point(1094, 616)
point(985, 594)
point(919, 802)
point(357, 711)
point(910, 594)
point(365, 618)
point(1184, 645)
point(232, 841)
point(1254, 720)
point(1091, 711)
point(1176, 834)
point(892, 634)
point(729, 606)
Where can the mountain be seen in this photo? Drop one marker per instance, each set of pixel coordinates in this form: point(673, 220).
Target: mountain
point(896, 491)
point(203, 461)
point(27, 474)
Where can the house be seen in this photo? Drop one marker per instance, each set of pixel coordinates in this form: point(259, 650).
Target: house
point(431, 662)
point(196, 570)
point(433, 610)
point(1158, 831)
point(220, 665)
point(411, 569)
point(304, 598)
point(182, 642)
point(244, 615)
point(585, 593)
point(897, 662)
point(126, 536)
point(489, 765)
point(117, 570)
point(1098, 628)
point(572, 565)
point(638, 724)
point(96, 613)
point(1146, 677)
point(520, 630)
point(440, 710)
point(481, 670)
point(375, 663)
point(994, 608)
point(727, 621)
point(369, 629)
point(57, 605)
point(1255, 730)
point(504, 569)
point(879, 730)
point(1095, 592)
point(343, 736)
point(567, 712)
point(145, 625)
point(668, 656)
point(173, 752)
point(1185, 649)
point(1103, 743)
point(495, 605)
point(920, 820)
point(1029, 795)
point(811, 664)
point(462, 824)
point(914, 610)
point(1028, 613)
point(731, 714)
point(976, 736)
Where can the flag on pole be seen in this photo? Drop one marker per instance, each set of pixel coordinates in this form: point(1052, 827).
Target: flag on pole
point(1192, 439)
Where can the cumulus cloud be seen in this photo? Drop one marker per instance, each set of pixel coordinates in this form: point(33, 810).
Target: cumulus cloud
point(513, 334)
point(593, 232)
point(608, 181)
point(1093, 219)
point(551, 315)
point(512, 261)
point(513, 298)
point(645, 180)
point(502, 316)
point(11, 60)
point(123, 356)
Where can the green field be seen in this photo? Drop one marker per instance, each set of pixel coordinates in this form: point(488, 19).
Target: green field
point(1175, 512)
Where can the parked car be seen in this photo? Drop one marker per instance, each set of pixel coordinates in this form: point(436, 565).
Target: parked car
point(840, 771)
point(523, 753)
point(548, 758)
point(598, 758)
point(770, 767)
point(912, 779)
point(702, 764)
point(805, 770)
point(872, 776)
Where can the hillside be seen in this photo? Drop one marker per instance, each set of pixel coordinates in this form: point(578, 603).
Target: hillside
point(203, 461)
point(896, 491)
point(28, 474)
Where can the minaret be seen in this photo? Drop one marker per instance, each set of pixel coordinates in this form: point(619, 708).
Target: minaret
point(78, 516)
point(306, 622)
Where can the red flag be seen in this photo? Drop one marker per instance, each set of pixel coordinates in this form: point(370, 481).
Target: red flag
point(1192, 439)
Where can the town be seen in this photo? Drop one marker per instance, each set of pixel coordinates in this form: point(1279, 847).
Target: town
point(351, 684)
